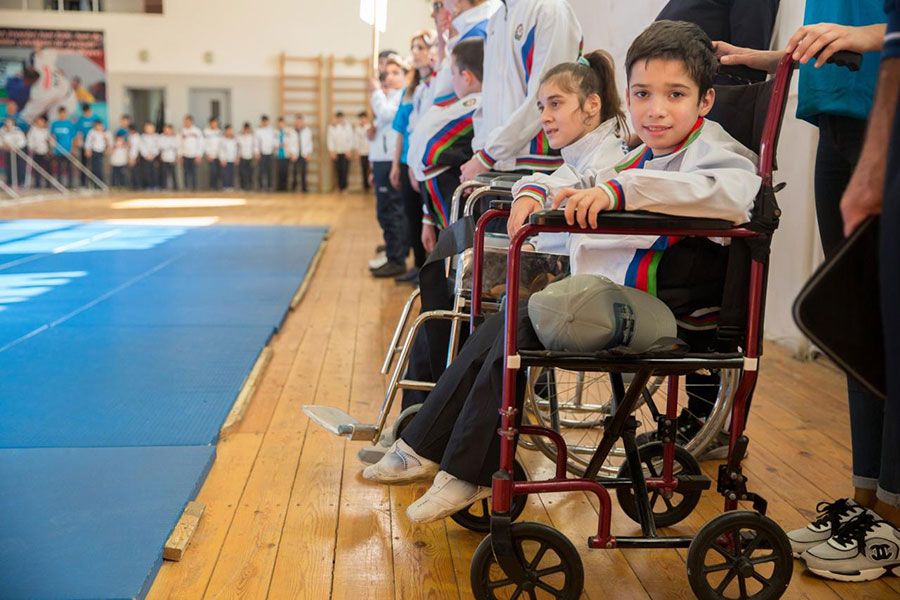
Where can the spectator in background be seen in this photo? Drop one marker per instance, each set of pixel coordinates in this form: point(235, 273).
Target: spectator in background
point(341, 142)
point(11, 139)
point(62, 132)
point(304, 151)
point(265, 146)
point(118, 161)
point(39, 147)
point(228, 152)
point(125, 126)
point(148, 157)
point(361, 130)
point(283, 155)
point(96, 143)
point(212, 135)
point(246, 143)
point(83, 126)
point(190, 147)
point(168, 156)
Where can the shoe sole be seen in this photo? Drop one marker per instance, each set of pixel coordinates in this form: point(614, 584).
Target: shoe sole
point(446, 512)
point(858, 576)
point(402, 480)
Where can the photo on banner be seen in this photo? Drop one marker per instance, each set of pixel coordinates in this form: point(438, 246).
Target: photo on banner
point(42, 70)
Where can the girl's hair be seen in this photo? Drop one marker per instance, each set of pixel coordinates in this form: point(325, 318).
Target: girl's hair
point(597, 77)
point(413, 78)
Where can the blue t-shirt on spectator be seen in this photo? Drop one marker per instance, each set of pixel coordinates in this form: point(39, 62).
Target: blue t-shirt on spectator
point(401, 124)
point(64, 132)
point(84, 125)
point(833, 90)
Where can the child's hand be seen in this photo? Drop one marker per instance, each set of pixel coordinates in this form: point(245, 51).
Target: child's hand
point(429, 237)
point(471, 169)
point(521, 209)
point(583, 206)
point(394, 176)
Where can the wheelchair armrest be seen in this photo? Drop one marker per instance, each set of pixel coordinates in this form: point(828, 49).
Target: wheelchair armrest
point(556, 218)
point(489, 177)
point(504, 205)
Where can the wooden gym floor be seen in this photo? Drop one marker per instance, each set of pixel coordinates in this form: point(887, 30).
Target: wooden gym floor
point(289, 516)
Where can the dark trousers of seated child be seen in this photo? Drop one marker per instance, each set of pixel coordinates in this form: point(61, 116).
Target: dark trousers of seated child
point(96, 162)
point(389, 210)
point(412, 207)
point(189, 168)
point(228, 176)
point(118, 177)
point(457, 425)
point(167, 179)
point(43, 161)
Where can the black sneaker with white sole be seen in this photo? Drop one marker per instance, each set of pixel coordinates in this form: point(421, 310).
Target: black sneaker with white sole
point(831, 516)
point(389, 269)
point(863, 549)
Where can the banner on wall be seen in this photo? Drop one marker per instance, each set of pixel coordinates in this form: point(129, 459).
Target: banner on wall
point(42, 70)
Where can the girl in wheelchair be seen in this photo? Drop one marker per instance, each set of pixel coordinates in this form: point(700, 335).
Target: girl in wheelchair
point(686, 166)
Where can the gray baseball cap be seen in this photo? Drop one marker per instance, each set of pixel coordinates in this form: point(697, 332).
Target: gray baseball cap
point(587, 313)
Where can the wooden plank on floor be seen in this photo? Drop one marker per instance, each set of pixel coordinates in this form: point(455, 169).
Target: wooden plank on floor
point(178, 541)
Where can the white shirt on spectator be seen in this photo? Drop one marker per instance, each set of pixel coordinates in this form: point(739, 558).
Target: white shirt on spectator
point(168, 148)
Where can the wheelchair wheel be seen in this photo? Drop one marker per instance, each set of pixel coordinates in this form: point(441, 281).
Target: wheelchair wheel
point(576, 403)
point(666, 511)
point(550, 560)
point(739, 555)
point(477, 516)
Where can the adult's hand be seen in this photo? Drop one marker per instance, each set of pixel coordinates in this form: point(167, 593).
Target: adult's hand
point(829, 38)
point(862, 198)
point(414, 184)
point(471, 169)
point(761, 60)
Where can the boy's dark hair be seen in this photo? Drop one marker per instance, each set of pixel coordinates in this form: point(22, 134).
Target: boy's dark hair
point(339, 114)
point(211, 119)
point(385, 53)
point(98, 122)
point(247, 125)
point(86, 107)
point(598, 76)
point(61, 110)
point(264, 118)
point(469, 56)
point(677, 40)
point(362, 113)
point(189, 117)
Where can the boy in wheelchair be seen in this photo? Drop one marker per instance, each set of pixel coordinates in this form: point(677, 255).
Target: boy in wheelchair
point(686, 166)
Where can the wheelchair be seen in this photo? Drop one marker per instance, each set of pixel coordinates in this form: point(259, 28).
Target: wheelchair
point(739, 554)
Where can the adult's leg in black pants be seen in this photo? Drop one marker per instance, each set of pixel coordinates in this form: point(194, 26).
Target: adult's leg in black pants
point(342, 163)
point(457, 425)
point(412, 207)
point(840, 143)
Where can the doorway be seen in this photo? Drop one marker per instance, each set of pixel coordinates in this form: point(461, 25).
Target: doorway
point(207, 103)
point(146, 104)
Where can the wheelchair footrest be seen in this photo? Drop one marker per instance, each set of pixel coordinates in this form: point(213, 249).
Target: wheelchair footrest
point(340, 423)
point(691, 483)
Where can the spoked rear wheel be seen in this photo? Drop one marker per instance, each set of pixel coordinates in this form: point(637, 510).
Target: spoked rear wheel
point(740, 555)
point(477, 516)
point(551, 563)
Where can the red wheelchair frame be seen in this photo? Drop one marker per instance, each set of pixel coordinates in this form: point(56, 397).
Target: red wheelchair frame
point(501, 546)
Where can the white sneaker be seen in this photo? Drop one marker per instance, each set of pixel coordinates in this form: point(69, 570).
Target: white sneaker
point(831, 516)
point(379, 261)
point(400, 464)
point(863, 549)
point(446, 496)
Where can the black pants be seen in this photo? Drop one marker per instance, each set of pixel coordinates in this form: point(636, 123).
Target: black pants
point(245, 173)
point(364, 171)
point(96, 162)
point(118, 177)
point(282, 167)
point(149, 173)
point(215, 173)
point(19, 168)
point(412, 207)
point(299, 175)
point(840, 144)
point(62, 170)
point(88, 163)
point(167, 179)
point(264, 176)
point(43, 161)
point(189, 166)
point(228, 176)
point(391, 218)
point(341, 169)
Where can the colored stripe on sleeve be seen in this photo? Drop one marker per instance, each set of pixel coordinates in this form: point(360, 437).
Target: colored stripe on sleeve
point(446, 137)
point(528, 54)
point(437, 202)
point(616, 194)
point(485, 159)
point(535, 191)
point(446, 100)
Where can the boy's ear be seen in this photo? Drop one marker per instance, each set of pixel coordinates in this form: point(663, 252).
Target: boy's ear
point(707, 101)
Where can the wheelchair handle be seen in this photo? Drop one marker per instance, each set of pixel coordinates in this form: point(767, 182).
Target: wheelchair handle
point(846, 58)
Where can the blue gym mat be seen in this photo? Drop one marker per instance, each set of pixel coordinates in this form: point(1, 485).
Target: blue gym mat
point(122, 350)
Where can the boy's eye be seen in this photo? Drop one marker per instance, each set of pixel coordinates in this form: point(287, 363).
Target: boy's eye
point(677, 94)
